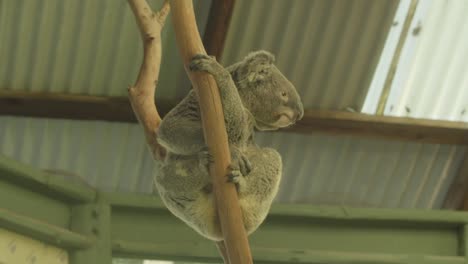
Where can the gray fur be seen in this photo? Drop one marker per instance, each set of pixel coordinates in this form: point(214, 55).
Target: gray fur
point(255, 96)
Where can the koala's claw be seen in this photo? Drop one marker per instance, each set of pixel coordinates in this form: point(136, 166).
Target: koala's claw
point(241, 160)
point(203, 56)
point(233, 175)
point(199, 62)
point(205, 157)
point(202, 62)
point(245, 165)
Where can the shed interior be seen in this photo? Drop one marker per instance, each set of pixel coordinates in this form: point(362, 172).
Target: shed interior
point(376, 172)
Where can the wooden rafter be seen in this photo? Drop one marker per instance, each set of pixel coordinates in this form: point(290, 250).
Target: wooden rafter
point(65, 106)
point(84, 107)
point(387, 127)
point(217, 26)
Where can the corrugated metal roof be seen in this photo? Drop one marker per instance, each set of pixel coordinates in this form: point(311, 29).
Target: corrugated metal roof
point(82, 47)
point(340, 170)
point(319, 169)
point(111, 156)
point(432, 77)
point(329, 49)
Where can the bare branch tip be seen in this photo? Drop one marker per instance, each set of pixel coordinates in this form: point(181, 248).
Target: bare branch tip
point(163, 12)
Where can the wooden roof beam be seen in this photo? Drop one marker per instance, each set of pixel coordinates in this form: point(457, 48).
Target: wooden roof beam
point(86, 107)
point(387, 127)
point(217, 26)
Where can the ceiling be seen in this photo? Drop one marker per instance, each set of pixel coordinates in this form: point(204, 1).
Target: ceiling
point(329, 49)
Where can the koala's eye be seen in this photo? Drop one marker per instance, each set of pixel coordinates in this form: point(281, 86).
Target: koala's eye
point(283, 94)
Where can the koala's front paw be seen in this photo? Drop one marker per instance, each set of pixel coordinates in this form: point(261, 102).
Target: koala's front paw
point(205, 158)
point(202, 62)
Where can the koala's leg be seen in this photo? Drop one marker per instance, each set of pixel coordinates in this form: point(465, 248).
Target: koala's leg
point(258, 189)
point(181, 136)
point(181, 131)
point(264, 178)
point(182, 175)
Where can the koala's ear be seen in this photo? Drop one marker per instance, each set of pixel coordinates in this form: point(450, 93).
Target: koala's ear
point(258, 65)
point(260, 57)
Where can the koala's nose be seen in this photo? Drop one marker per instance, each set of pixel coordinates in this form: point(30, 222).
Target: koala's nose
point(299, 113)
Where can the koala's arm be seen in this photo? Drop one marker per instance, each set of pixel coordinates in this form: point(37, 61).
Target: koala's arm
point(180, 131)
point(234, 111)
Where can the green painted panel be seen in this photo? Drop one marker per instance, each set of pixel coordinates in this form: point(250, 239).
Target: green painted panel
point(93, 220)
point(142, 227)
point(152, 226)
point(49, 184)
point(157, 234)
point(30, 203)
point(42, 231)
point(373, 237)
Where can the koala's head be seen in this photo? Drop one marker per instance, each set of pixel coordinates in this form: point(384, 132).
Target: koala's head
point(268, 95)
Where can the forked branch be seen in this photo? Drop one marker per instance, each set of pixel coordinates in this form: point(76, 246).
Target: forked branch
point(141, 95)
point(142, 101)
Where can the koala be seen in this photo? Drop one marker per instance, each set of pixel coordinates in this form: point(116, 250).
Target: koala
point(255, 96)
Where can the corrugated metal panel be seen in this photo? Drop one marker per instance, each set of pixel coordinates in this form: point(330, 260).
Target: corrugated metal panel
point(329, 49)
point(322, 48)
point(319, 169)
point(82, 47)
point(432, 77)
point(333, 170)
point(389, 52)
point(111, 156)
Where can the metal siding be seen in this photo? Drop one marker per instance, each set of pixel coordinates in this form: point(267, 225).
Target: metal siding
point(341, 170)
point(329, 49)
point(365, 172)
point(111, 156)
point(82, 47)
point(431, 81)
point(432, 78)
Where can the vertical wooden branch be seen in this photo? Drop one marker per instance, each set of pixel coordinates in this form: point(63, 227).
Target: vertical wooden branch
point(141, 95)
point(229, 213)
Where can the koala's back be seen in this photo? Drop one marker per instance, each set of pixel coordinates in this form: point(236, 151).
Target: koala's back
point(186, 190)
point(180, 131)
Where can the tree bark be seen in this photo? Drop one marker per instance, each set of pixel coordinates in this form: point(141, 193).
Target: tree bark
point(141, 95)
point(229, 213)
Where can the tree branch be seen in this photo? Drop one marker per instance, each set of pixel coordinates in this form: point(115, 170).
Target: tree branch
point(229, 213)
point(141, 95)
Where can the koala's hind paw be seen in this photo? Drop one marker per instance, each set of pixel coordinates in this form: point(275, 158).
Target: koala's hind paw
point(241, 160)
point(245, 165)
point(233, 175)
